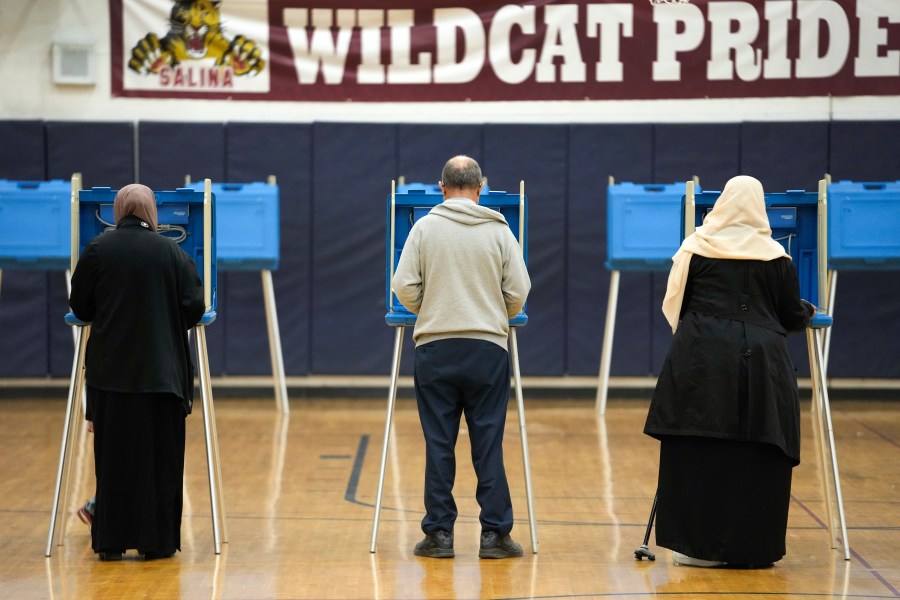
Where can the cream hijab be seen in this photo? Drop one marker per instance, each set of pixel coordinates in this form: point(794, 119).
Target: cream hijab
point(737, 228)
point(136, 200)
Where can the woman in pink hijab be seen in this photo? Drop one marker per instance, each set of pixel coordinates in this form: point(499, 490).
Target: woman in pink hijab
point(726, 406)
point(141, 293)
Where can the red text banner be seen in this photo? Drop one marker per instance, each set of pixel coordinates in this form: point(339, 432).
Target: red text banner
point(414, 51)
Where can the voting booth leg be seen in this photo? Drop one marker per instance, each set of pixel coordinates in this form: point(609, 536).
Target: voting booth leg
point(517, 379)
point(214, 471)
point(392, 397)
point(68, 294)
point(76, 385)
point(820, 397)
point(819, 433)
point(819, 427)
point(281, 395)
point(829, 308)
point(608, 333)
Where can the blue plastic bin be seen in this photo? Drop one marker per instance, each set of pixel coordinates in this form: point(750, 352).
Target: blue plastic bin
point(864, 225)
point(247, 225)
point(641, 225)
point(35, 224)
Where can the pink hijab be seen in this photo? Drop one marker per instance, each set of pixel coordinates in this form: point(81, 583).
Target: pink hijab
point(737, 227)
point(136, 200)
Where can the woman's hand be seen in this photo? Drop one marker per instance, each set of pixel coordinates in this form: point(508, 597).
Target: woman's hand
point(810, 307)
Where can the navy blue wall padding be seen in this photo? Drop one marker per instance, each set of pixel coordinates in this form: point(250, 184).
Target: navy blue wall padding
point(167, 152)
point(22, 150)
point(102, 152)
point(864, 151)
point(25, 340)
point(334, 179)
point(353, 166)
point(597, 152)
point(865, 341)
point(538, 155)
point(422, 151)
point(865, 338)
point(255, 151)
point(784, 156)
point(104, 155)
point(711, 152)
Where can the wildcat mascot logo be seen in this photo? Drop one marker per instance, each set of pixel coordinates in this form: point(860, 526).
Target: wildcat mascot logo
point(195, 53)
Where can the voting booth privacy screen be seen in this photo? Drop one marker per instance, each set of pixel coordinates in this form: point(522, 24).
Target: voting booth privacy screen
point(179, 214)
point(642, 225)
point(793, 217)
point(35, 224)
point(247, 232)
point(415, 202)
point(864, 225)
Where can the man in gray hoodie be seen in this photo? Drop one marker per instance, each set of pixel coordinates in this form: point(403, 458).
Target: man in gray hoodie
point(462, 273)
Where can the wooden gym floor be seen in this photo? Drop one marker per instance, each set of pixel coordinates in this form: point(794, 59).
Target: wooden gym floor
point(300, 492)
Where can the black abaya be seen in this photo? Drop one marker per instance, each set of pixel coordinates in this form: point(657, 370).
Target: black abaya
point(723, 500)
point(139, 463)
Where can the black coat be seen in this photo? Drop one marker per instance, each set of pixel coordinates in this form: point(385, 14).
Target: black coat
point(142, 293)
point(728, 374)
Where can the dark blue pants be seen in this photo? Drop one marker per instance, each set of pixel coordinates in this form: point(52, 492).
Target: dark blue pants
point(453, 377)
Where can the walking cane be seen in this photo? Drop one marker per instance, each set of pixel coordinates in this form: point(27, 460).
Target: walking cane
point(640, 553)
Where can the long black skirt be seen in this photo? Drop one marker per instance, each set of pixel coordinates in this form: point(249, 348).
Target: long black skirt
point(139, 464)
point(723, 500)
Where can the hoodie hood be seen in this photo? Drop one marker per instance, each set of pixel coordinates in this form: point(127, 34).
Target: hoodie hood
point(466, 212)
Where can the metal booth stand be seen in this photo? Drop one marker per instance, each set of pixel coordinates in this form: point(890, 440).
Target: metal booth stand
point(641, 237)
point(799, 221)
point(247, 239)
point(403, 209)
point(184, 213)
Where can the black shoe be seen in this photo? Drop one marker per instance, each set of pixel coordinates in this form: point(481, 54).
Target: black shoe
point(108, 555)
point(158, 555)
point(436, 545)
point(493, 546)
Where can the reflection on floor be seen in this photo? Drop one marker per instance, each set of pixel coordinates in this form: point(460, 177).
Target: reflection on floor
point(299, 497)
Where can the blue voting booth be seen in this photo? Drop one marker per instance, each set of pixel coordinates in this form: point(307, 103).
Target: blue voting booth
point(864, 225)
point(248, 239)
point(403, 210)
point(799, 221)
point(188, 216)
point(641, 236)
point(863, 232)
point(34, 224)
point(401, 187)
point(414, 203)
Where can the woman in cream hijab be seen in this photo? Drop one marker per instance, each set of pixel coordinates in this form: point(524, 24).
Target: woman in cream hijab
point(726, 406)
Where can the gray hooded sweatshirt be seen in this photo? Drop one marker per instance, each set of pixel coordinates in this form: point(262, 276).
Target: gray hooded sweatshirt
point(462, 273)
